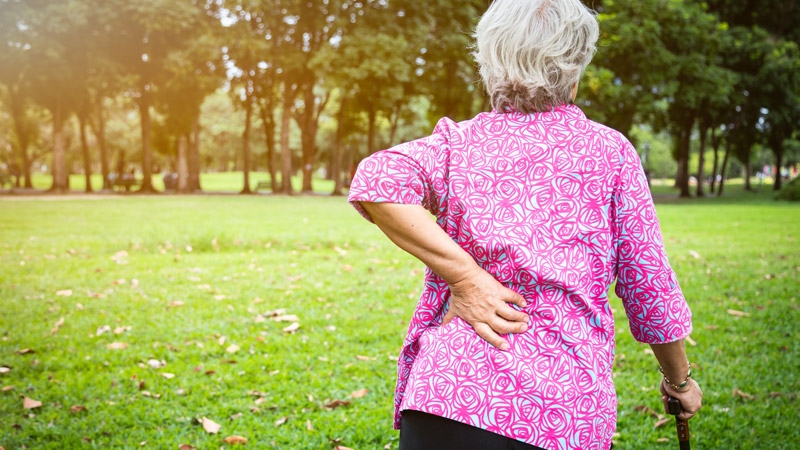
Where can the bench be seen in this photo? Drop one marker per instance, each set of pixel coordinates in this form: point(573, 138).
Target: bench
point(263, 185)
point(127, 183)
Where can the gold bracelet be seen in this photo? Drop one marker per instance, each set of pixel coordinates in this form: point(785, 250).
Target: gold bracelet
point(685, 381)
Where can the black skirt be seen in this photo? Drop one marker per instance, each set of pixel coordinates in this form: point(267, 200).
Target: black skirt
point(423, 431)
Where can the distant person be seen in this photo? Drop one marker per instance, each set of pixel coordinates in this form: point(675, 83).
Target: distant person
point(538, 209)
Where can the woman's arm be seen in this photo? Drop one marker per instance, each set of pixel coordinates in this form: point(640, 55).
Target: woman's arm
point(475, 295)
point(672, 357)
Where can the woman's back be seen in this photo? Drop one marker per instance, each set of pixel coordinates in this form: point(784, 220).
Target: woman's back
point(554, 206)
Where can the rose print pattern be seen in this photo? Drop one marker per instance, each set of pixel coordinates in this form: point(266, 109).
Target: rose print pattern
point(556, 207)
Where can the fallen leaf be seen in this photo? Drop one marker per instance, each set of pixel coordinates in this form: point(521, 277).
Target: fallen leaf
point(744, 395)
point(155, 364)
point(236, 416)
point(661, 422)
point(210, 426)
point(364, 358)
point(291, 328)
point(120, 281)
point(167, 375)
point(691, 341)
point(117, 346)
point(77, 408)
point(337, 403)
point(260, 400)
point(64, 292)
point(341, 447)
point(7, 388)
point(359, 393)
point(102, 330)
point(309, 427)
point(29, 403)
point(24, 351)
point(347, 267)
point(175, 304)
point(120, 330)
point(286, 318)
point(186, 447)
point(662, 440)
point(736, 313)
point(694, 254)
point(233, 348)
point(281, 421)
point(5, 369)
point(235, 440)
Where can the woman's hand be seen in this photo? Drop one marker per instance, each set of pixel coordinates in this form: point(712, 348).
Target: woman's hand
point(690, 397)
point(480, 300)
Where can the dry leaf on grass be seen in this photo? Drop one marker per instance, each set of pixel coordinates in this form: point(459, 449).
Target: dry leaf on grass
point(281, 421)
point(64, 293)
point(117, 346)
point(365, 358)
point(186, 447)
point(337, 403)
point(286, 318)
point(662, 440)
point(77, 408)
point(662, 422)
point(736, 313)
point(744, 395)
point(691, 341)
point(359, 393)
point(29, 403)
point(5, 369)
point(233, 348)
point(235, 440)
point(210, 426)
point(341, 447)
point(167, 375)
point(7, 388)
point(309, 427)
point(24, 351)
point(176, 303)
point(291, 328)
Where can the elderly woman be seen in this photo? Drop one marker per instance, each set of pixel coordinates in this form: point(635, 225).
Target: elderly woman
point(538, 210)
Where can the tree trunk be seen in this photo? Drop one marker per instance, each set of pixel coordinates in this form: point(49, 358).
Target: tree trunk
point(308, 133)
point(194, 157)
point(268, 122)
point(22, 129)
point(371, 114)
point(747, 174)
point(684, 142)
point(701, 160)
point(286, 152)
point(100, 135)
point(777, 149)
point(336, 155)
point(60, 176)
point(724, 165)
point(147, 155)
point(714, 143)
point(182, 168)
point(87, 163)
point(246, 145)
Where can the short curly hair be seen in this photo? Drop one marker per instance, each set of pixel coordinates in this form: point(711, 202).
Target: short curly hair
point(531, 52)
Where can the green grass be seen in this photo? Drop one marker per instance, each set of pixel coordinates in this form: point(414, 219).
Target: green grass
point(210, 182)
point(318, 259)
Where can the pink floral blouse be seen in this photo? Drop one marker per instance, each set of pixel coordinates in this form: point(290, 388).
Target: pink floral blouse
point(556, 207)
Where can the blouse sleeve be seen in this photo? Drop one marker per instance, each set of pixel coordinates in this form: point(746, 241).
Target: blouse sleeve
point(654, 303)
point(411, 173)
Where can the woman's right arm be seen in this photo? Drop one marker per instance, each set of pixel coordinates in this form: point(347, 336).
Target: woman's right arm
point(654, 303)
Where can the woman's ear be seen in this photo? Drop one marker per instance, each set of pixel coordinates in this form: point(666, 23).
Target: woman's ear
point(574, 91)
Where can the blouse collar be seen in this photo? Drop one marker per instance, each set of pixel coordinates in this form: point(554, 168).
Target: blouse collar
point(570, 109)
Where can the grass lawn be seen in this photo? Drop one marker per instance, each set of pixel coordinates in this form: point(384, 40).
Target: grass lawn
point(190, 281)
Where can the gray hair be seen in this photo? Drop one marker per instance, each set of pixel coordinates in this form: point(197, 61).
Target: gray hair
point(531, 52)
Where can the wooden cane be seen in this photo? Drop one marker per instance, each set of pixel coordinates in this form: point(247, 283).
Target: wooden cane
point(674, 406)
